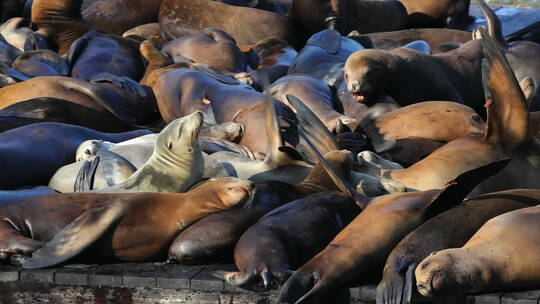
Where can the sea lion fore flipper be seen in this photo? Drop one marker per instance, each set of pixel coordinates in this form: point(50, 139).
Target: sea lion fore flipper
point(507, 111)
point(457, 189)
point(493, 24)
point(329, 40)
point(84, 181)
point(77, 236)
point(407, 289)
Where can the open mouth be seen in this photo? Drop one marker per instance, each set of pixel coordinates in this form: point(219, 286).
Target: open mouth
point(358, 97)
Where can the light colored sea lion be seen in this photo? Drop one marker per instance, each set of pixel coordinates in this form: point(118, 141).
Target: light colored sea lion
point(49, 151)
point(214, 48)
point(115, 223)
point(450, 229)
point(175, 164)
point(501, 256)
point(250, 25)
point(357, 253)
point(508, 134)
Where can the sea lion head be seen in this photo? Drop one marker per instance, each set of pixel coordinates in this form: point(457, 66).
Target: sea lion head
point(366, 73)
point(180, 137)
point(228, 191)
point(90, 147)
point(442, 274)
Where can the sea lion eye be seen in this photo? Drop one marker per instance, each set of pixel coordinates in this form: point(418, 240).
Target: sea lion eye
point(475, 117)
point(169, 146)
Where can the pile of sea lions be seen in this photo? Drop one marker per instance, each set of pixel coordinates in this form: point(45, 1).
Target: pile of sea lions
point(317, 144)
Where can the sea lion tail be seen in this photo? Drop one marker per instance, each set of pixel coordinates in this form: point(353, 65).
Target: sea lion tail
point(84, 181)
point(493, 24)
point(507, 111)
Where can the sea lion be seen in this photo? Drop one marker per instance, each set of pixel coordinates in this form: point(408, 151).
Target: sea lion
point(489, 261)
point(323, 56)
point(203, 242)
point(109, 222)
point(22, 34)
point(348, 15)
point(508, 134)
point(214, 48)
point(41, 63)
point(53, 151)
point(176, 163)
point(287, 237)
point(7, 196)
point(95, 53)
point(251, 25)
point(434, 13)
point(450, 229)
point(8, 54)
point(453, 76)
point(149, 31)
point(49, 109)
point(358, 252)
point(439, 40)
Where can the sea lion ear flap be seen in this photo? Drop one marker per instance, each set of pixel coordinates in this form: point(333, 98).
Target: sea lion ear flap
point(507, 112)
point(312, 128)
point(329, 40)
point(457, 189)
point(77, 236)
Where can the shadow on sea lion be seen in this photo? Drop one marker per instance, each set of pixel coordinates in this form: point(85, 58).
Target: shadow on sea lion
point(23, 35)
point(8, 196)
point(488, 262)
point(357, 253)
point(433, 13)
point(50, 150)
point(41, 63)
point(508, 134)
point(65, 225)
point(450, 229)
point(250, 25)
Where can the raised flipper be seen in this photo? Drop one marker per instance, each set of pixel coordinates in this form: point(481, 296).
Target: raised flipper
point(493, 24)
point(457, 189)
point(329, 40)
point(77, 236)
point(507, 111)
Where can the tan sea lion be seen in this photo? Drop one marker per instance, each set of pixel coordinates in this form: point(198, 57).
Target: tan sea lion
point(501, 256)
point(250, 25)
point(114, 223)
point(450, 229)
point(357, 253)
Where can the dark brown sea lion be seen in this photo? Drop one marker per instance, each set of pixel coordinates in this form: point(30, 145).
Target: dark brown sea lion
point(50, 109)
point(508, 134)
point(438, 39)
point(358, 252)
point(453, 76)
point(348, 15)
point(114, 223)
point(450, 229)
point(433, 13)
point(41, 63)
point(214, 48)
point(50, 151)
point(250, 25)
point(288, 236)
point(95, 53)
point(501, 256)
point(204, 241)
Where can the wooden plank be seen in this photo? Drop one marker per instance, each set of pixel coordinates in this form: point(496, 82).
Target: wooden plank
point(177, 276)
point(9, 273)
point(38, 275)
point(108, 274)
point(143, 275)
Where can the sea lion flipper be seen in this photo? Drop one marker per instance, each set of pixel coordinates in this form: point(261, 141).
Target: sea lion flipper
point(122, 82)
point(329, 40)
point(84, 181)
point(217, 75)
point(493, 24)
point(77, 236)
point(312, 127)
point(507, 111)
point(457, 189)
point(409, 283)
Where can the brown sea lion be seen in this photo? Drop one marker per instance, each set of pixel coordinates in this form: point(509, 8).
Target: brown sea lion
point(508, 134)
point(438, 39)
point(433, 13)
point(358, 252)
point(501, 256)
point(348, 15)
point(453, 76)
point(450, 229)
point(203, 241)
point(114, 223)
point(50, 151)
point(250, 25)
point(214, 48)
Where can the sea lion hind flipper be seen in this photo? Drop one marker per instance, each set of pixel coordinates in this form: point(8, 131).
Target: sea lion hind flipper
point(507, 111)
point(329, 40)
point(457, 189)
point(77, 236)
point(84, 181)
